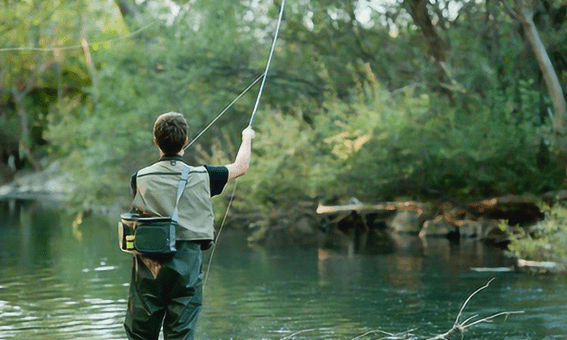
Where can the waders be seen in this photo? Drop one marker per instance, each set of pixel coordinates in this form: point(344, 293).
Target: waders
point(168, 289)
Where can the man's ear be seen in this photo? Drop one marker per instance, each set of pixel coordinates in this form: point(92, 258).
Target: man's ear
point(155, 143)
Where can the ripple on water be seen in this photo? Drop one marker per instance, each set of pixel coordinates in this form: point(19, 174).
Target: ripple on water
point(43, 305)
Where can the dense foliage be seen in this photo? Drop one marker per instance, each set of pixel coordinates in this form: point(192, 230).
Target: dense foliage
point(376, 100)
point(544, 242)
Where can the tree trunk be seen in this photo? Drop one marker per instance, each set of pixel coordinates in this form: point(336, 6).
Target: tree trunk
point(25, 134)
point(549, 75)
point(89, 61)
point(420, 15)
point(435, 44)
point(18, 97)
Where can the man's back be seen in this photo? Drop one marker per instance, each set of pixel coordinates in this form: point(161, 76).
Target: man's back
point(156, 196)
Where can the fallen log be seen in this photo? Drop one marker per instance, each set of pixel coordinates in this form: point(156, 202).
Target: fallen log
point(475, 219)
point(541, 266)
point(367, 208)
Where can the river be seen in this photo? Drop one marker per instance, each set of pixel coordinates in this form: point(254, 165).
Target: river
point(65, 280)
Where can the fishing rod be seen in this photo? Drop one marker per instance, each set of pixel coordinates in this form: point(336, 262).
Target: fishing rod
point(268, 64)
point(252, 116)
point(263, 76)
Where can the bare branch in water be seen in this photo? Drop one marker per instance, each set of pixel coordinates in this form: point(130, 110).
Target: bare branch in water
point(487, 319)
point(468, 299)
point(296, 333)
point(389, 336)
point(458, 327)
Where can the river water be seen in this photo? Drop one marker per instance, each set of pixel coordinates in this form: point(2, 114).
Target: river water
point(64, 280)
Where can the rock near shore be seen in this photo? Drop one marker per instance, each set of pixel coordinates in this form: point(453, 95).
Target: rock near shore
point(50, 184)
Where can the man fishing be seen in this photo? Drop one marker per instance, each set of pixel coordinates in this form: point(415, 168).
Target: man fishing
point(166, 290)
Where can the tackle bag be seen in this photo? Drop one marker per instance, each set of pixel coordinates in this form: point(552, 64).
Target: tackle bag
point(146, 235)
point(154, 235)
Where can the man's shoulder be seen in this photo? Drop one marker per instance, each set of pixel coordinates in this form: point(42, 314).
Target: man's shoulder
point(200, 168)
point(166, 167)
point(149, 169)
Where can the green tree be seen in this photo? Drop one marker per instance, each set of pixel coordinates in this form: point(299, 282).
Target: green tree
point(45, 62)
point(384, 99)
point(523, 11)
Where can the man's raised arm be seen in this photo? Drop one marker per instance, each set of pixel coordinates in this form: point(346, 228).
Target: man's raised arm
point(242, 161)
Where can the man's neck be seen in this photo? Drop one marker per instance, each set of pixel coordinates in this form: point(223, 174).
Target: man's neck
point(179, 154)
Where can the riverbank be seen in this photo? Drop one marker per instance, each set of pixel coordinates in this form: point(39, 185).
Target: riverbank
point(436, 218)
point(364, 228)
point(480, 219)
point(50, 184)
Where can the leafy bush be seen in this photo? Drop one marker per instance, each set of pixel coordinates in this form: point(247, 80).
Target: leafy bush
point(421, 146)
point(290, 165)
point(104, 142)
point(545, 241)
point(327, 139)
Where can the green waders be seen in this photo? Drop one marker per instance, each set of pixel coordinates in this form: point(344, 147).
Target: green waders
point(168, 291)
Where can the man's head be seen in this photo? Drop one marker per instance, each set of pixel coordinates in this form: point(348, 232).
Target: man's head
point(170, 133)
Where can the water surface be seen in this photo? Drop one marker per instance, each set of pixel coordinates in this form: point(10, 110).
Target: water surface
point(64, 280)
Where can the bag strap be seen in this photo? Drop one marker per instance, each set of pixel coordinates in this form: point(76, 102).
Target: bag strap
point(180, 189)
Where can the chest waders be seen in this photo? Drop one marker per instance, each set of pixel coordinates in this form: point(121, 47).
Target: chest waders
point(165, 293)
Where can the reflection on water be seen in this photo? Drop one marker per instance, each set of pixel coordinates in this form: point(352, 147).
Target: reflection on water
point(57, 282)
point(53, 285)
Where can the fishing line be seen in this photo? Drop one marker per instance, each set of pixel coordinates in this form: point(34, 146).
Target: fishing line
point(223, 111)
point(265, 76)
point(218, 235)
point(72, 47)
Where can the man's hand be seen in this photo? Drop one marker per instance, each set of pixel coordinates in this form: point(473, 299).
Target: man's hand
point(248, 133)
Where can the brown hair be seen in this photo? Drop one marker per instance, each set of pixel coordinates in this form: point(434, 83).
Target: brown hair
point(170, 132)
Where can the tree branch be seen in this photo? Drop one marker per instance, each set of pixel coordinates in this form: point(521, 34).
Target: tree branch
point(89, 61)
point(128, 10)
point(509, 10)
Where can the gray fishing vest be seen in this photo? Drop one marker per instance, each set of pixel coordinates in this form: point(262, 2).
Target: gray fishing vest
point(156, 194)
